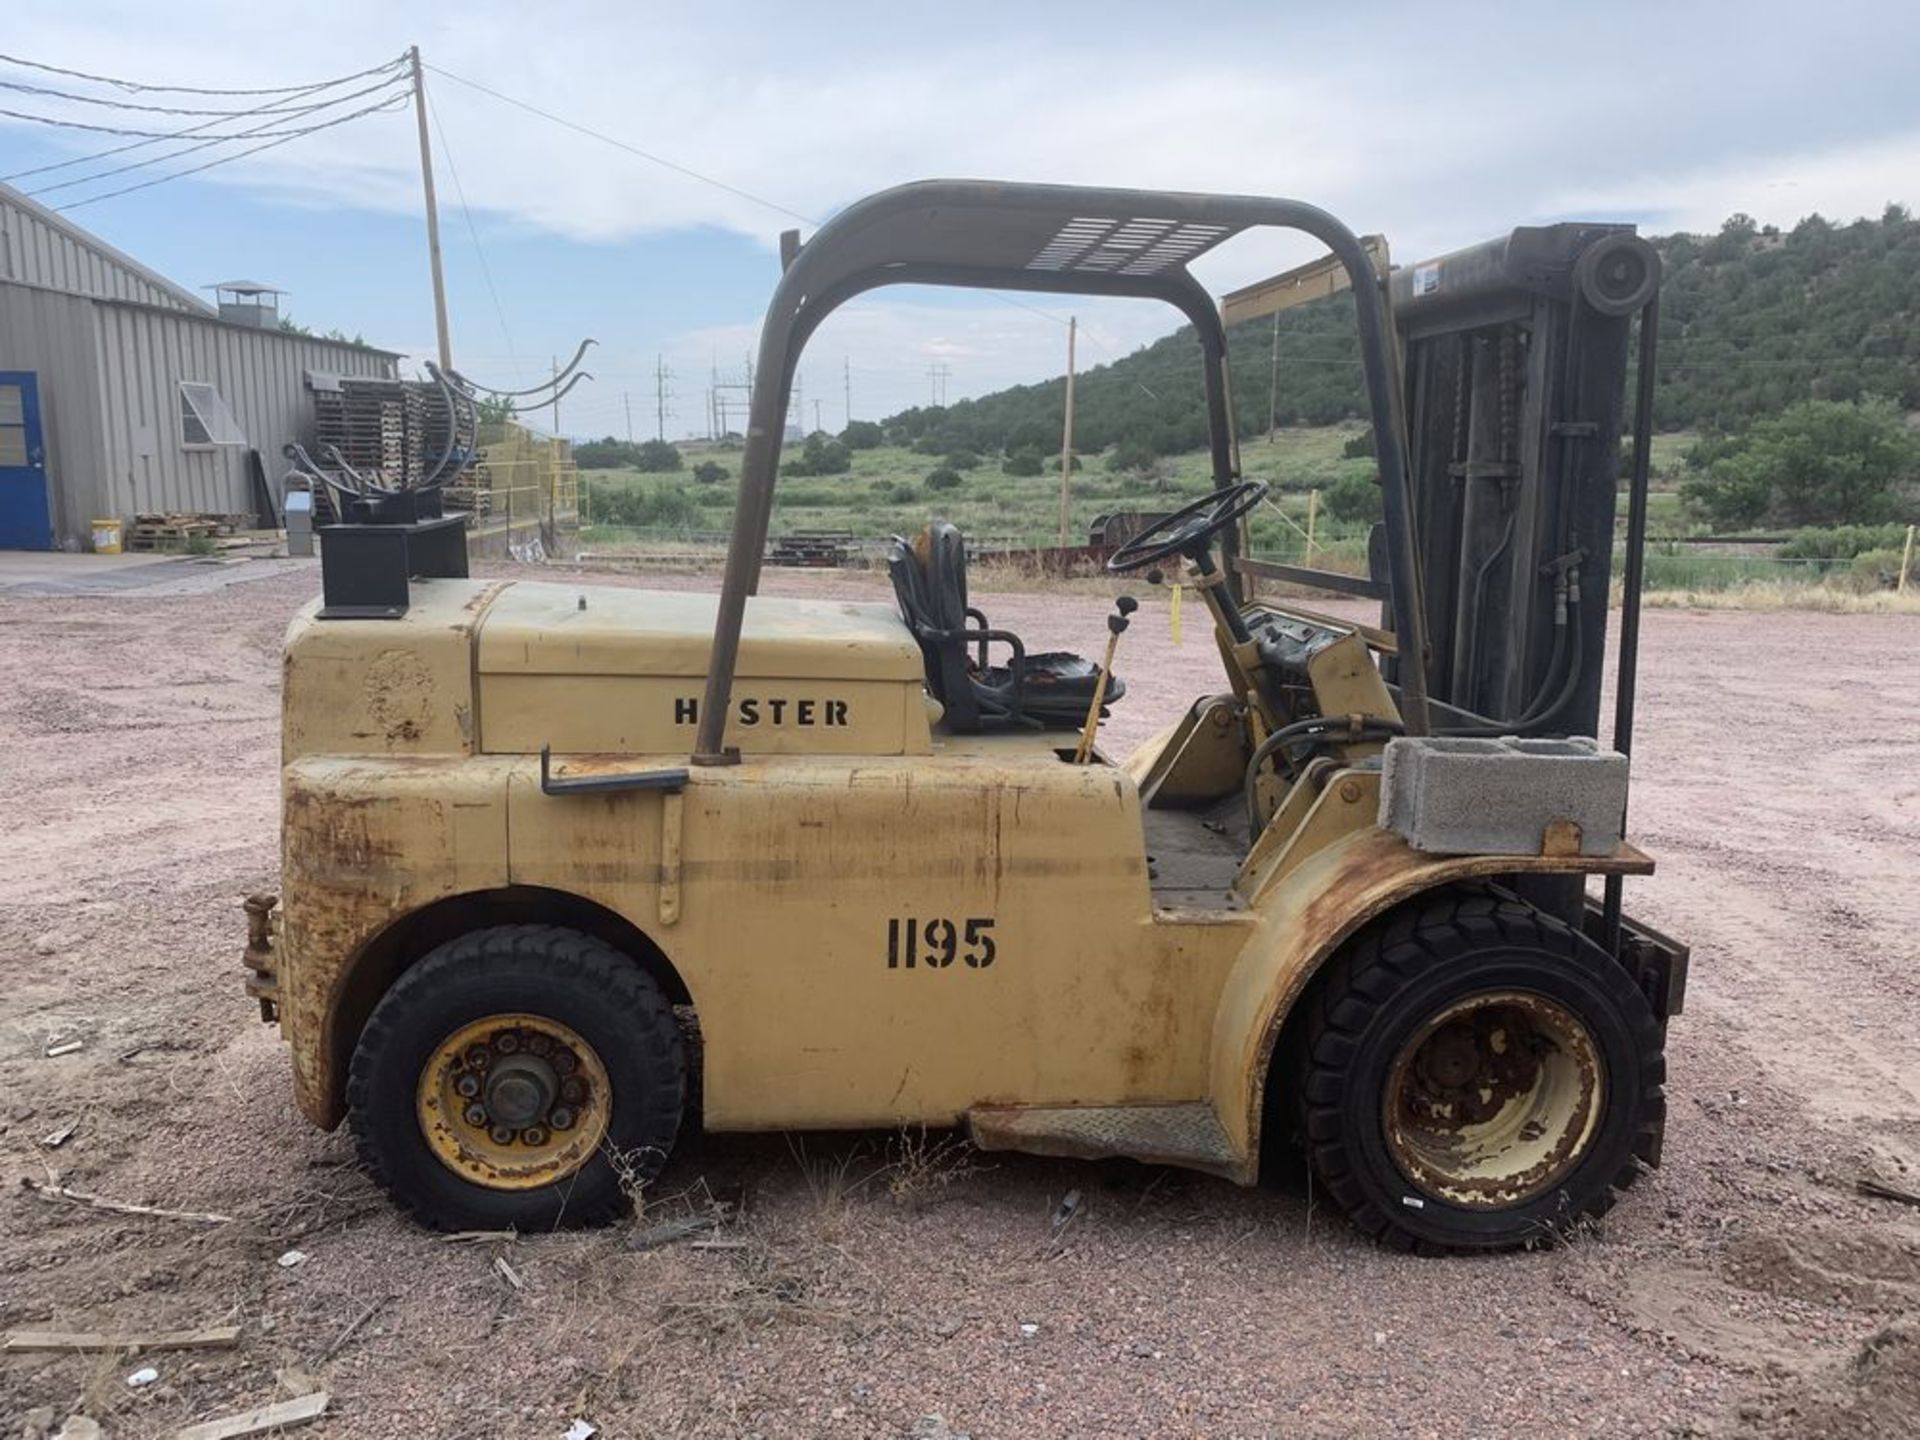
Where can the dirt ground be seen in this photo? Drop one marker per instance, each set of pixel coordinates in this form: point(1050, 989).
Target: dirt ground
point(880, 1287)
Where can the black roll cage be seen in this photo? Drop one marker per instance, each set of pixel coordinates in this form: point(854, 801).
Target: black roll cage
point(1062, 239)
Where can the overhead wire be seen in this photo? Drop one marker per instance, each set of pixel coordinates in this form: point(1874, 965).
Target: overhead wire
point(78, 99)
point(186, 131)
point(263, 130)
point(385, 105)
point(680, 169)
point(141, 87)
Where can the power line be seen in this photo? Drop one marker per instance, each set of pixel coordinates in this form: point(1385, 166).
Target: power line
point(204, 125)
point(687, 171)
point(212, 140)
point(140, 87)
point(237, 155)
point(606, 139)
point(123, 130)
point(79, 99)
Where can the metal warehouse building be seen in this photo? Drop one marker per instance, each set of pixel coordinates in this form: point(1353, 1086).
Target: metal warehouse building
point(122, 393)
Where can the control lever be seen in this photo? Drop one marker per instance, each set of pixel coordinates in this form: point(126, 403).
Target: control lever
point(1116, 625)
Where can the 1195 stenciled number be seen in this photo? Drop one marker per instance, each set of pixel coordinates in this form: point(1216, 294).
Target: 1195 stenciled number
point(937, 942)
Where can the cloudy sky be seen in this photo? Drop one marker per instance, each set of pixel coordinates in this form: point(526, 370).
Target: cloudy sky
point(1405, 119)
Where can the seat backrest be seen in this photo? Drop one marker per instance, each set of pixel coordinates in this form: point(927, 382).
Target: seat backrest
point(945, 560)
point(942, 640)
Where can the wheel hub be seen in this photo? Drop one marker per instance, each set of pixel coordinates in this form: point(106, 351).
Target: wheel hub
point(520, 1090)
point(514, 1101)
point(1494, 1100)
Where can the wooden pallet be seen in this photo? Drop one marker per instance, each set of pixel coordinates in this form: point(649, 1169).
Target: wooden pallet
point(164, 532)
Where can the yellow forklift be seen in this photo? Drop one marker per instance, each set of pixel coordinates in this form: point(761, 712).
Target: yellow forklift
point(550, 848)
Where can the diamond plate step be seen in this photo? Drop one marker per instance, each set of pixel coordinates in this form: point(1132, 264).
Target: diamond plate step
point(1187, 1135)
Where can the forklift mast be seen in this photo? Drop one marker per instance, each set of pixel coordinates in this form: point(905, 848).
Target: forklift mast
point(1515, 364)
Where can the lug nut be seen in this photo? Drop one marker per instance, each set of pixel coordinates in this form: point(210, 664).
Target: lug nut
point(476, 1115)
point(534, 1135)
point(564, 1062)
point(479, 1058)
point(508, 1043)
point(468, 1086)
point(561, 1118)
point(539, 1045)
point(573, 1091)
point(501, 1134)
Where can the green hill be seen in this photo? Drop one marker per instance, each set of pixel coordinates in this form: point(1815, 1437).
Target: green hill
point(1752, 319)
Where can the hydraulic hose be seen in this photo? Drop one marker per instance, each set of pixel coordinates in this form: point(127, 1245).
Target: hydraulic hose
point(1357, 728)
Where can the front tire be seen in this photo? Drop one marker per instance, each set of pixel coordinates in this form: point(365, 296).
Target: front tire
point(1475, 1075)
point(520, 1077)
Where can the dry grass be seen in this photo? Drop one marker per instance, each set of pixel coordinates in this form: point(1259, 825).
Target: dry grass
point(1772, 595)
point(924, 1168)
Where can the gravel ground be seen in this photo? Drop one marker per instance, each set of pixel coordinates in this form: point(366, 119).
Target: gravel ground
point(876, 1282)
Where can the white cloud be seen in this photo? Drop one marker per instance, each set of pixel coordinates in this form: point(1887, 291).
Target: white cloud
point(1435, 134)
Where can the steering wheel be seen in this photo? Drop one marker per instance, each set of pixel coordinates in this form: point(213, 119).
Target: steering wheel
point(1186, 530)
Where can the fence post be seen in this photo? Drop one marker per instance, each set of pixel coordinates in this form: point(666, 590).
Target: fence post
point(1313, 506)
point(1906, 563)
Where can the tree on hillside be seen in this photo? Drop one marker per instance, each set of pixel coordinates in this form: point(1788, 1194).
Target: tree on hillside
point(1751, 320)
point(1820, 462)
point(863, 435)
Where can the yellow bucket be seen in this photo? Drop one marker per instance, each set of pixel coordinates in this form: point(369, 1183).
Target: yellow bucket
point(107, 536)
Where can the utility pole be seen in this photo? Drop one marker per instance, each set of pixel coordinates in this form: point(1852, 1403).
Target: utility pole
point(846, 364)
point(433, 212)
point(1273, 383)
point(554, 360)
point(627, 400)
point(816, 414)
point(937, 384)
point(661, 394)
point(1066, 436)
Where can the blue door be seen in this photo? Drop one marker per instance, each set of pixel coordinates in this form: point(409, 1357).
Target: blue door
point(26, 522)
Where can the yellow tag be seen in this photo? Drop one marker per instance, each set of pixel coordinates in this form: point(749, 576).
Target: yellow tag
point(1174, 613)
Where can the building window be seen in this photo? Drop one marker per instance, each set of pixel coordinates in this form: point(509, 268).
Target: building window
point(205, 419)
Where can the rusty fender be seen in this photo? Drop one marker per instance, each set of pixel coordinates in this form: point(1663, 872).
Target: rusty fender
point(1304, 918)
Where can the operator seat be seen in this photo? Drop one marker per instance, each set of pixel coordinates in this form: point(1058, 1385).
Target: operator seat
point(1049, 691)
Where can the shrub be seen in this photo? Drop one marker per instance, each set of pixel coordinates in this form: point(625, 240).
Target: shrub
point(1841, 542)
point(1352, 498)
point(1131, 455)
point(962, 460)
point(945, 478)
point(709, 472)
point(825, 456)
point(657, 457)
point(862, 435)
point(1359, 447)
point(663, 506)
point(903, 493)
point(1023, 462)
point(1877, 569)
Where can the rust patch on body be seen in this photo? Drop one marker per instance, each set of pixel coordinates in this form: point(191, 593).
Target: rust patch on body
point(399, 696)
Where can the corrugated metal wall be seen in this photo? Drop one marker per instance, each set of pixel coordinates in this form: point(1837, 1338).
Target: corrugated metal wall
point(53, 335)
point(110, 376)
point(261, 374)
point(37, 247)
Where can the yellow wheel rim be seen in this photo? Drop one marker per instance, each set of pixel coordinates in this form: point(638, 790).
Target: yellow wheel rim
point(1494, 1100)
point(514, 1101)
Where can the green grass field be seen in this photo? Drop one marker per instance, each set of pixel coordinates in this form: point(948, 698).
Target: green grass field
point(886, 493)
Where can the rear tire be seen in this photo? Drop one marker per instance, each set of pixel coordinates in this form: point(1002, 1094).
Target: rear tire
point(595, 1017)
point(1475, 1075)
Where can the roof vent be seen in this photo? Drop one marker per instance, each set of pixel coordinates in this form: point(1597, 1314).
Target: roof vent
point(248, 302)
